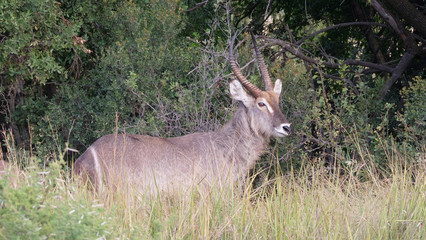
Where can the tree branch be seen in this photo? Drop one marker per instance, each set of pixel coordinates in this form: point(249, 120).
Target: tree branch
point(198, 5)
point(290, 34)
point(397, 72)
point(407, 37)
point(410, 13)
point(372, 41)
point(248, 12)
point(298, 53)
point(393, 23)
point(337, 26)
point(381, 67)
point(411, 47)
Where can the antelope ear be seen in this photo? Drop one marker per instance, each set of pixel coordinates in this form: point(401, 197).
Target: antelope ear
point(238, 93)
point(278, 87)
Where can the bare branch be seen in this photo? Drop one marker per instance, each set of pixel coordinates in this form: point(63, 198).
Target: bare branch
point(397, 72)
point(370, 35)
point(381, 67)
point(410, 13)
point(290, 34)
point(267, 9)
point(393, 23)
point(338, 26)
point(298, 52)
point(198, 5)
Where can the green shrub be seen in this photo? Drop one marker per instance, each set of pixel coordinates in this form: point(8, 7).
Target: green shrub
point(342, 126)
point(37, 47)
point(42, 207)
point(138, 73)
point(139, 77)
point(412, 117)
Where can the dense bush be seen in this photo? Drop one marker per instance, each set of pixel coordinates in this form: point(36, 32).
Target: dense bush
point(139, 67)
point(37, 46)
point(136, 70)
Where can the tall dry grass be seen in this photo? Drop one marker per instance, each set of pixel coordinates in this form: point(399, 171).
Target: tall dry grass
point(309, 203)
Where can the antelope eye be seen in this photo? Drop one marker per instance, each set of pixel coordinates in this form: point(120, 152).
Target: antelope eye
point(261, 104)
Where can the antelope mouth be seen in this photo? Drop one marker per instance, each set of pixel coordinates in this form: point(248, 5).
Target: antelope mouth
point(283, 130)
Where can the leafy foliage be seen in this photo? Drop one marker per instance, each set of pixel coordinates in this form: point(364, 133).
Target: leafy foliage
point(34, 33)
point(37, 209)
point(140, 65)
point(36, 48)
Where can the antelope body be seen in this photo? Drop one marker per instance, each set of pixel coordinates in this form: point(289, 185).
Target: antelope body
point(201, 159)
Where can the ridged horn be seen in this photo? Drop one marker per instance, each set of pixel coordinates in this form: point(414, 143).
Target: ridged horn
point(255, 91)
point(262, 66)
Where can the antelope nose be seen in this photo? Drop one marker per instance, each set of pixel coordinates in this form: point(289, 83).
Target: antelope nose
point(287, 128)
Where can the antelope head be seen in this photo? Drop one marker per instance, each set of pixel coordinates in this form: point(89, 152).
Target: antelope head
point(262, 107)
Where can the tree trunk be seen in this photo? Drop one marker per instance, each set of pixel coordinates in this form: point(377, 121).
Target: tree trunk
point(410, 13)
point(371, 38)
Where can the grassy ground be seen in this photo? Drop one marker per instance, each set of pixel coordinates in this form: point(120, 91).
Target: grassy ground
point(307, 204)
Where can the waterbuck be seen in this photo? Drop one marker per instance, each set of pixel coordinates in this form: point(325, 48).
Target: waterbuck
point(201, 159)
